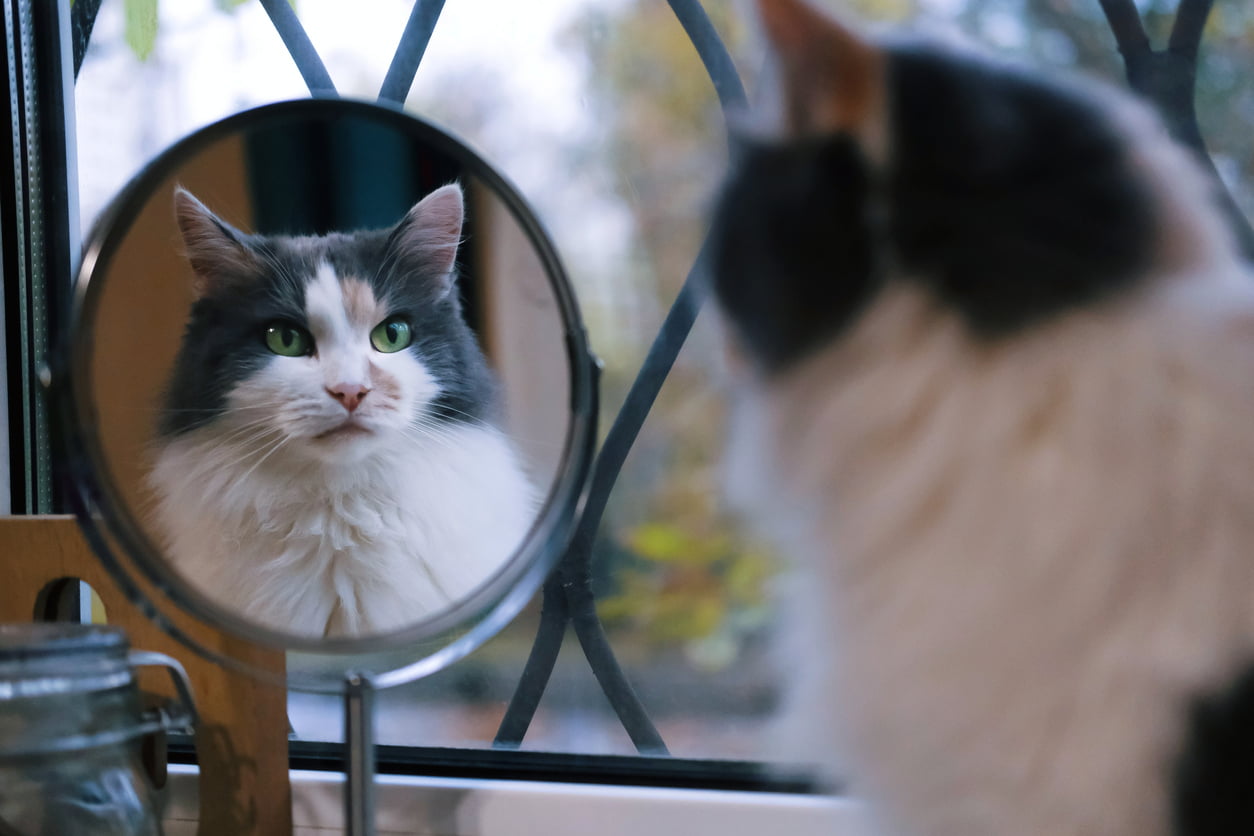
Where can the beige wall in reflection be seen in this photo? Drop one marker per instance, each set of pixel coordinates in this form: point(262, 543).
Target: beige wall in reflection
point(523, 337)
point(140, 319)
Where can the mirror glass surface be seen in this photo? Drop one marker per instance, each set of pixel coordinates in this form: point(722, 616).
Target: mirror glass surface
point(328, 378)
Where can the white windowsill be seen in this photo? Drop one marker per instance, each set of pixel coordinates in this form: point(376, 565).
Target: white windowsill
point(462, 807)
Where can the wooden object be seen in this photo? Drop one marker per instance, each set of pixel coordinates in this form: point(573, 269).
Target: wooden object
point(242, 740)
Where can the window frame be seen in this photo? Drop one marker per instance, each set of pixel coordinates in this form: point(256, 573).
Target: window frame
point(47, 40)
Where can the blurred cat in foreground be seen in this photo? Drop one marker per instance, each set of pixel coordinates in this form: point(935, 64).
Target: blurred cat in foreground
point(994, 360)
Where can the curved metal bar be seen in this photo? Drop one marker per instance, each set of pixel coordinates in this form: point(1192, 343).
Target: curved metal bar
point(1168, 79)
point(82, 21)
point(609, 463)
point(573, 571)
point(409, 52)
point(554, 616)
point(712, 51)
point(604, 664)
point(312, 70)
point(574, 568)
point(636, 406)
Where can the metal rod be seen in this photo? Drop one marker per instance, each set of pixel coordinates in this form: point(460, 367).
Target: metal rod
point(1168, 79)
point(573, 571)
point(604, 664)
point(82, 21)
point(312, 70)
point(636, 407)
point(712, 52)
point(409, 51)
point(359, 699)
point(554, 616)
point(52, 221)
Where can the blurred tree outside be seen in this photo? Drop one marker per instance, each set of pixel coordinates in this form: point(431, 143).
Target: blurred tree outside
point(673, 570)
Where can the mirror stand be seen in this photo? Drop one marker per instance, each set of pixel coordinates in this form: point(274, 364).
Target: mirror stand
point(359, 697)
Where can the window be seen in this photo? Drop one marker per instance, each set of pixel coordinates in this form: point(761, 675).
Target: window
point(600, 111)
point(603, 116)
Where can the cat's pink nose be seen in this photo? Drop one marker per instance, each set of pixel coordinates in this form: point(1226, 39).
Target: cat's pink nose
point(348, 394)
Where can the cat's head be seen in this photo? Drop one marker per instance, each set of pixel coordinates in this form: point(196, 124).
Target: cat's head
point(328, 347)
point(1008, 197)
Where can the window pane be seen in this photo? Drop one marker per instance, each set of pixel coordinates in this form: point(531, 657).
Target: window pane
point(600, 112)
point(602, 115)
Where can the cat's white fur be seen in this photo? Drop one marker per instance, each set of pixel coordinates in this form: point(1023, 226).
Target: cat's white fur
point(1021, 560)
point(355, 533)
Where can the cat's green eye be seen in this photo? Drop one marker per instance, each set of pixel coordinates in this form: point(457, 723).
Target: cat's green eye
point(288, 340)
point(390, 335)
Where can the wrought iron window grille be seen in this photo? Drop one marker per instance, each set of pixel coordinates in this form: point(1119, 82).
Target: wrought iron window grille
point(1166, 77)
point(568, 599)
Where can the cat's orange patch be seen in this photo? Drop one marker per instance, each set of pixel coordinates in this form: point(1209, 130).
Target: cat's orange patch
point(384, 384)
point(360, 304)
point(833, 79)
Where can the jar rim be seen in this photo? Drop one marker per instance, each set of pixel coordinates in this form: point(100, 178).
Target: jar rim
point(48, 640)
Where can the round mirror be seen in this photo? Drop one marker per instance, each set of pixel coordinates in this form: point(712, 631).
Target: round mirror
point(327, 388)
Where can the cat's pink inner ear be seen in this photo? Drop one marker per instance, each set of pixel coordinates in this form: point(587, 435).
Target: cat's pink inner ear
point(432, 230)
point(214, 252)
point(832, 78)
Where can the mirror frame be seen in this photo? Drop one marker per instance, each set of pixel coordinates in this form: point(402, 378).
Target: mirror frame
point(128, 552)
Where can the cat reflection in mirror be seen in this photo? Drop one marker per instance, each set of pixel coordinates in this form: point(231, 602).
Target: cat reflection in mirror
point(993, 354)
point(327, 461)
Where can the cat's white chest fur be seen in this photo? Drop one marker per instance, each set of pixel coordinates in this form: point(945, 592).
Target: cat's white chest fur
point(1023, 562)
point(362, 547)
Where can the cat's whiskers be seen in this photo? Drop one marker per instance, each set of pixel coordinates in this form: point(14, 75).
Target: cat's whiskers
point(238, 441)
point(235, 433)
point(479, 422)
point(427, 432)
point(281, 442)
point(248, 449)
point(239, 431)
point(474, 420)
point(426, 428)
point(242, 439)
point(205, 410)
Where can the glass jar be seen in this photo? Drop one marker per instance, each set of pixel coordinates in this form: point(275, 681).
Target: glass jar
point(71, 729)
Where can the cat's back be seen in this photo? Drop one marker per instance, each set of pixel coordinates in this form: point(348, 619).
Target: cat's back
point(1004, 409)
point(1036, 557)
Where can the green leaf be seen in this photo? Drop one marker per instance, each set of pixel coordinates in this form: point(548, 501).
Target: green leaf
point(660, 542)
point(141, 26)
point(672, 543)
point(229, 6)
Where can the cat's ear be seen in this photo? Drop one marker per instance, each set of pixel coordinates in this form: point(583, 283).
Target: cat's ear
point(431, 232)
point(215, 249)
point(831, 78)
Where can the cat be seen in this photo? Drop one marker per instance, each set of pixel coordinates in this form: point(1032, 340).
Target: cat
point(328, 460)
point(991, 358)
